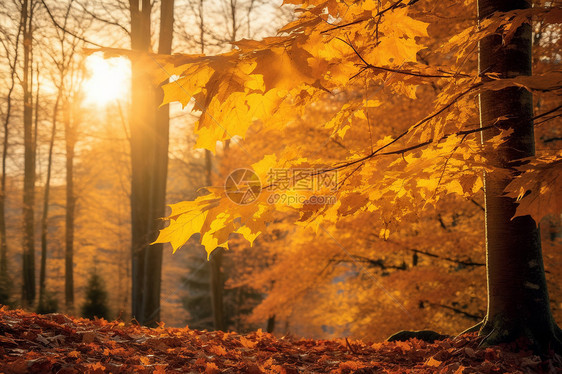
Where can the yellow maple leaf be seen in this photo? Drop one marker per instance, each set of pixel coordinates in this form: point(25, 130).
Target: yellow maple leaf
point(283, 68)
point(539, 187)
point(393, 51)
point(186, 219)
point(399, 23)
point(194, 78)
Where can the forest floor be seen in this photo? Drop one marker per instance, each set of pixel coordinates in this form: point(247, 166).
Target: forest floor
point(31, 343)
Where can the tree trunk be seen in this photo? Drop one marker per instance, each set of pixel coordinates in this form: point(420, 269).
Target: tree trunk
point(217, 287)
point(149, 159)
point(45, 215)
point(28, 285)
point(216, 275)
point(70, 139)
point(141, 121)
point(216, 279)
point(233, 21)
point(159, 174)
point(5, 281)
point(518, 303)
point(271, 324)
point(201, 27)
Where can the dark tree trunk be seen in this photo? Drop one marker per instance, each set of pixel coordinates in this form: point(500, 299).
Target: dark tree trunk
point(233, 21)
point(216, 278)
point(215, 259)
point(271, 324)
point(201, 27)
point(3, 242)
point(142, 120)
point(518, 303)
point(149, 160)
point(217, 288)
point(28, 285)
point(159, 174)
point(70, 139)
point(45, 215)
point(5, 282)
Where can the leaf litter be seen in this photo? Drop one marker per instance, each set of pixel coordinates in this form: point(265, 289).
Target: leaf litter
point(55, 343)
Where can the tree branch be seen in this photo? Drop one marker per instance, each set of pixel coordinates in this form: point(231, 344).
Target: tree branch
point(63, 29)
point(477, 204)
point(547, 113)
point(398, 71)
point(456, 310)
point(98, 18)
point(391, 7)
point(449, 259)
point(380, 263)
point(552, 139)
point(423, 144)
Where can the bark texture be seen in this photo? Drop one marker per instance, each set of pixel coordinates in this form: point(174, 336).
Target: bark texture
point(45, 215)
point(5, 281)
point(149, 160)
point(518, 303)
point(216, 276)
point(28, 271)
point(70, 144)
point(217, 288)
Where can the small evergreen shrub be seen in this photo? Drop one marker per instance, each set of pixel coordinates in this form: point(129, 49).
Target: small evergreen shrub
point(49, 304)
point(5, 290)
point(96, 298)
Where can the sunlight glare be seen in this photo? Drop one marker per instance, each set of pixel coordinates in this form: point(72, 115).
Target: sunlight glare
point(107, 79)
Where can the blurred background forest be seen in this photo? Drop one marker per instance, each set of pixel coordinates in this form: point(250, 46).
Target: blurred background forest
point(65, 188)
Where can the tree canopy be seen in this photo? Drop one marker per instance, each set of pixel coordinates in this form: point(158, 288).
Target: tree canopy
point(358, 60)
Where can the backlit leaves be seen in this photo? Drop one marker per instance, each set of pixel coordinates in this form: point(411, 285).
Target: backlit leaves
point(347, 58)
point(539, 187)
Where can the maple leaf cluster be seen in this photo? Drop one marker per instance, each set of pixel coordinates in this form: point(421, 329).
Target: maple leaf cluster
point(357, 60)
point(385, 95)
point(32, 343)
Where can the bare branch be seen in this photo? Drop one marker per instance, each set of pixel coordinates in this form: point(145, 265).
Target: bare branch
point(448, 259)
point(98, 18)
point(456, 310)
point(378, 152)
point(477, 204)
point(63, 29)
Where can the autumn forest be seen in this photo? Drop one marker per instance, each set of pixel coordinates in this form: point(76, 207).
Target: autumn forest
point(317, 169)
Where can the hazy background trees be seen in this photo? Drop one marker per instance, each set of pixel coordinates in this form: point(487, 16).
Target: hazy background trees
point(68, 155)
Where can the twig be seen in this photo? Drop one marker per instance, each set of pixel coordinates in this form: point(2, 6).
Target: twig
point(350, 347)
point(449, 259)
point(97, 18)
point(63, 29)
point(477, 204)
point(398, 71)
point(456, 310)
point(447, 162)
point(393, 6)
